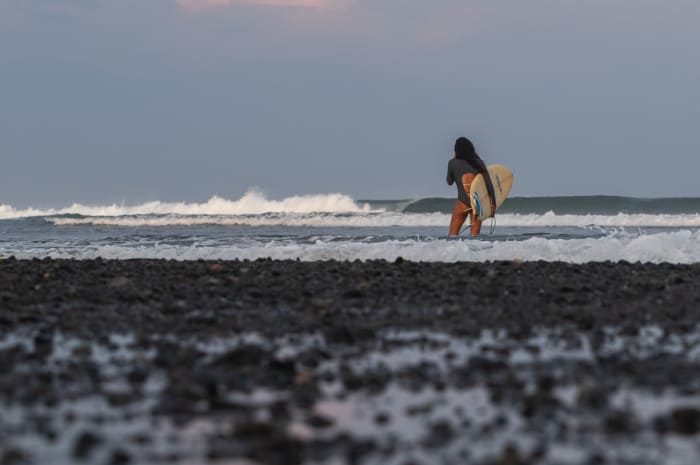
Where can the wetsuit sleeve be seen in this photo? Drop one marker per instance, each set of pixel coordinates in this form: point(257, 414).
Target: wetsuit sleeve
point(450, 178)
point(480, 166)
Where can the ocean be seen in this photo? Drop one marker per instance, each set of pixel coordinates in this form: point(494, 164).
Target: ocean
point(369, 362)
point(336, 226)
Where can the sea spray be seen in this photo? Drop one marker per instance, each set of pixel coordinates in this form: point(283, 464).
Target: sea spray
point(253, 202)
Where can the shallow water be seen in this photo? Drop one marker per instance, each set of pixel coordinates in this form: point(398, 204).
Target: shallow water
point(42, 237)
point(334, 226)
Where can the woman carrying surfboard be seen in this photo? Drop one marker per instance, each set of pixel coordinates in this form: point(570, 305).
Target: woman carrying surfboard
point(463, 167)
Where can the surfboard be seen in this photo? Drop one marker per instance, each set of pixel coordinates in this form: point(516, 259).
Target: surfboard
point(502, 180)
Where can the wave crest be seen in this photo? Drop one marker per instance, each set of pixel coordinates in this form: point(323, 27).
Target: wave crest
point(252, 202)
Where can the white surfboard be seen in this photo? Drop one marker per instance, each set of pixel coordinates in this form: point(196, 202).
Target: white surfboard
point(502, 180)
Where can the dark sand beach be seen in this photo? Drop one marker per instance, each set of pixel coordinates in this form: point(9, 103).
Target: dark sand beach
point(284, 362)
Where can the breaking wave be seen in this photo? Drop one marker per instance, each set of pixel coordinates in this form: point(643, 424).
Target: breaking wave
point(256, 203)
point(252, 203)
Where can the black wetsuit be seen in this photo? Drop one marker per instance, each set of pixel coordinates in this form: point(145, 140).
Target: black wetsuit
point(458, 167)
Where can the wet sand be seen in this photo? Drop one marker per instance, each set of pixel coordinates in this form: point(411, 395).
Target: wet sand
point(284, 362)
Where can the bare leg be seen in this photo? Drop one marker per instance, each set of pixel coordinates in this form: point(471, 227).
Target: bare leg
point(475, 224)
point(459, 216)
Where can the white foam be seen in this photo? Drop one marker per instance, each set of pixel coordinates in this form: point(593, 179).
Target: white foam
point(675, 247)
point(618, 220)
point(366, 218)
point(350, 219)
point(253, 202)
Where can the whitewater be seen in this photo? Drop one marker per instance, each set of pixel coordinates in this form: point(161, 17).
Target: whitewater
point(336, 226)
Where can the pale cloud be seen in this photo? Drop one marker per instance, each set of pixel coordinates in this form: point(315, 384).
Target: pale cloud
point(204, 4)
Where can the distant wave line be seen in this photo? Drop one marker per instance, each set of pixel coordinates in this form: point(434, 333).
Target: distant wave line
point(386, 219)
point(255, 203)
point(576, 205)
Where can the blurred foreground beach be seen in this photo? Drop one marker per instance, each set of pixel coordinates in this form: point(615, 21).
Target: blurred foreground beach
point(376, 362)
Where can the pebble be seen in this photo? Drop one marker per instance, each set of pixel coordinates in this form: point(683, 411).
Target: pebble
point(84, 444)
point(685, 421)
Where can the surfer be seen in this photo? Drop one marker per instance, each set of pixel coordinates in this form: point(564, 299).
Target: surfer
point(463, 167)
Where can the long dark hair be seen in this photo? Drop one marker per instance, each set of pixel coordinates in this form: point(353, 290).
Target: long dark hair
point(465, 150)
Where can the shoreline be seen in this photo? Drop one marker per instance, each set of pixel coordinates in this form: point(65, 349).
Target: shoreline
point(287, 362)
point(491, 294)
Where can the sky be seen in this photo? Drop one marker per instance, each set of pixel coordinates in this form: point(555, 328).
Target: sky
point(133, 100)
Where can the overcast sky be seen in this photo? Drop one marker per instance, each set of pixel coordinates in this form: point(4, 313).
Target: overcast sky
point(133, 100)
